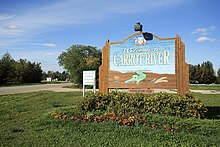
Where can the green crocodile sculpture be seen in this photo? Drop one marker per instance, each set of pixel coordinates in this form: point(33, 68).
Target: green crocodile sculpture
point(140, 76)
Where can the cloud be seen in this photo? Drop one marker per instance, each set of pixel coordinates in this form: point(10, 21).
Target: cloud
point(203, 32)
point(44, 18)
point(11, 27)
point(200, 31)
point(213, 27)
point(71, 12)
point(49, 45)
point(46, 44)
point(6, 17)
point(203, 39)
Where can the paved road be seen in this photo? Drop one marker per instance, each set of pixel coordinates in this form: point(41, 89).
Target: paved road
point(34, 88)
point(58, 88)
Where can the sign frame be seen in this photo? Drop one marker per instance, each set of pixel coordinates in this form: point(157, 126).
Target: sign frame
point(180, 79)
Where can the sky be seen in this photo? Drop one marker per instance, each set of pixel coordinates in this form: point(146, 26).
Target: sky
point(40, 30)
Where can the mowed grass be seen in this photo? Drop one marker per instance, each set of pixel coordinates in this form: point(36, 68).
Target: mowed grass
point(25, 120)
point(205, 87)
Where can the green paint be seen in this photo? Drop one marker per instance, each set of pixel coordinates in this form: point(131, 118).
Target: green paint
point(140, 76)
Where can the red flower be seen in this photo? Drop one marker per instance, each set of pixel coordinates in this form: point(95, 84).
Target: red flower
point(73, 117)
point(85, 119)
point(64, 116)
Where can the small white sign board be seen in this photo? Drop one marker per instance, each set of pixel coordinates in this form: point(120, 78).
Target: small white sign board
point(89, 79)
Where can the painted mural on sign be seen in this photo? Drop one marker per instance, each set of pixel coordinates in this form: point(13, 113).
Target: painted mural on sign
point(137, 54)
point(135, 62)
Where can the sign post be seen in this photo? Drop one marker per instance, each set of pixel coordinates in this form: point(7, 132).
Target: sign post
point(89, 79)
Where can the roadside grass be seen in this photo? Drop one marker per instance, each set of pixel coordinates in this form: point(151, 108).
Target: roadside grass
point(205, 87)
point(72, 86)
point(212, 102)
point(26, 121)
point(53, 82)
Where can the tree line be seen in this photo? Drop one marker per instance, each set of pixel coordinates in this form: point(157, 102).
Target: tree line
point(21, 71)
point(64, 76)
point(203, 74)
point(75, 60)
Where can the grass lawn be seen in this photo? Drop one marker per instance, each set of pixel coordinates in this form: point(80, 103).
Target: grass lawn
point(205, 87)
point(25, 120)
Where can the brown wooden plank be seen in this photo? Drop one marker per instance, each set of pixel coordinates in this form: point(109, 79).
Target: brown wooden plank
point(103, 83)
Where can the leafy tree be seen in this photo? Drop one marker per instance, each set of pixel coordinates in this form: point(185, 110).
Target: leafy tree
point(64, 76)
point(56, 75)
point(32, 73)
point(7, 68)
point(218, 76)
point(198, 74)
point(22, 71)
point(51, 74)
point(192, 74)
point(203, 74)
point(44, 75)
point(27, 72)
point(207, 73)
point(78, 58)
point(21, 66)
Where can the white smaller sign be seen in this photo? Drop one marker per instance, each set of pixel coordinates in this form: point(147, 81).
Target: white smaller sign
point(89, 77)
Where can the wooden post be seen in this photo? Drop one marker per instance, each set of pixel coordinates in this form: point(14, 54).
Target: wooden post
point(182, 69)
point(103, 70)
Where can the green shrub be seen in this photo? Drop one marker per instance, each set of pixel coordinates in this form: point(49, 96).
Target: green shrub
point(95, 102)
point(184, 106)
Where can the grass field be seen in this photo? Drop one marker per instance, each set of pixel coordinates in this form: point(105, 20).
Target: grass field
point(25, 120)
point(205, 87)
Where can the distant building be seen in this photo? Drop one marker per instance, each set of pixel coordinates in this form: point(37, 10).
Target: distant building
point(49, 79)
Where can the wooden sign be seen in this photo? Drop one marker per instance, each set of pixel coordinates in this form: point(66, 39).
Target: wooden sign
point(136, 63)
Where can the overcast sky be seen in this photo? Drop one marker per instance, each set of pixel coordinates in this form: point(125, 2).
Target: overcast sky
point(39, 30)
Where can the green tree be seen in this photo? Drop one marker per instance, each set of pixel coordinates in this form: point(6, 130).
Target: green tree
point(44, 75)
point(64, 76)
point(78, 58)
point(218, 76)
point(7, 69)
point(21, 71)
point(207, 73)
point(192, 74)
point(203, 74)
point(28, 72)
point(198, 74)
